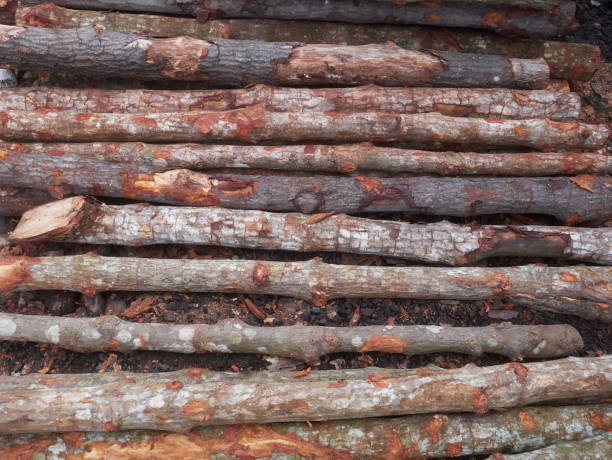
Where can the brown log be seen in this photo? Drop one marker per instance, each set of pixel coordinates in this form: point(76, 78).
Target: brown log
point(489, 103)
point(7, 11)
point(578, 290)
point(79, 220)
point(594, 448)
point(504, 19)
point(230, 63)
point(307, 343)
point(15, 201)
point(408, 437)
point(182, 401)
point(255, 124)
point(566, 60)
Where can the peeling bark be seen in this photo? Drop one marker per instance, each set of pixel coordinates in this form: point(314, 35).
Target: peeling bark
point(579, 290)
point(504, 19)
point(182, 402)
point(255, 124)
point(576, 61)
point(416, 436)
point(223, 62)
point(594, 448)
point(79, 220)
point(488, 103)
point(15, 201)
point(307, 343)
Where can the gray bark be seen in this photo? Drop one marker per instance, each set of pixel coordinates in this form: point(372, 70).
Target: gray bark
point(595, 448)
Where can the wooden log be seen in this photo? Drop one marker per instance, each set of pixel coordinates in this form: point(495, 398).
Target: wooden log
point(307, 343)
point(183, 401)
point(7, 11)
point(578, 290)
point(594, 448)
point(566, 60)
point(255, 124)
point(410, 437)
point(488, 103)
point(530, 4)
point(15, 201)
point(231, 63)
point(507, 20)
point(81, 220)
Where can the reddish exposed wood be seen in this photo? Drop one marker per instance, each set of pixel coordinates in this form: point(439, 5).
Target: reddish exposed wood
point(15, 201)
point(79, 220)
point(488, 103)
point(579, 290)
point(180, 401)
point(231, 63)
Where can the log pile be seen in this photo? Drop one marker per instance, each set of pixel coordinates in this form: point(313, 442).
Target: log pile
point(365, 132)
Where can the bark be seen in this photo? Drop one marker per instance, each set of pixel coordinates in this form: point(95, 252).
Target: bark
point(307, 343)
point(416, 436)
point(579, 290)
point(531, 4)
point(15, 201)
point(595, 448)
point(489, 103)
point(255, 124)
point(81, 220)
point(7, 11)
point(223, 62)
point(507, 20)
point(566, 60)
point(181, 402)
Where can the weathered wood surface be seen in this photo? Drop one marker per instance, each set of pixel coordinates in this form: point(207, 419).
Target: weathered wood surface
point(566, 60)
point(182, 401)
point(14, 201)
point(409, 437)
point(307, 343)
point(594, 448)
point(7, 11)
point(488, 103)
point(578, 290)
point(81, 220)
point(506, 19)
point(231, 63)
point(255, 124)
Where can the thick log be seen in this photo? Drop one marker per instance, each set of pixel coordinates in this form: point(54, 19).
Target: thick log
point(79, 220)
point(183, 401)
point(578, 290)
point(307, 343)
point(409, 437)
point(229, 63)
point(255, 124)
point(488, 103)
point(594, 448)
point(507, 20)
point(15, 201)
point(566, 60)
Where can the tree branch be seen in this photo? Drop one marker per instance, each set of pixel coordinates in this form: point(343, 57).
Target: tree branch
point(594, 448)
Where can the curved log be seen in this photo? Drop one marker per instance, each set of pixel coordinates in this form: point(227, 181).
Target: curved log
point(594, 448)
point(409, 437)
point(307, 343)
point(578, 290)
point(184, 401)
point(235, 63)
point(79, 220)
point(489, 103)
point(15, 201)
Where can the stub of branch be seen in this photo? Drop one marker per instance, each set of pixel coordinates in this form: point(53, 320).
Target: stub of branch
point(15, 201)
point(183, 401)
point(307, 343)
point(593, 448)
point(490, 103)
point(79, 220)
point(255, 124)
point(578, 290)
point(413, 436)
point(566, 60)
point(223, 62)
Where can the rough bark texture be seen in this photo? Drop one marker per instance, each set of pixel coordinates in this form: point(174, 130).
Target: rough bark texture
point(7, 11)
point(255, 124)
point(595, 448)
point(79, 160)
point(489, 103)
point(307, 343)
point(409, 437)
point(578, 290)
point(79, 220)
point(223, 62)
point(15, 201)
point(566, 60)
point(507, 20)
point(183, 401)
